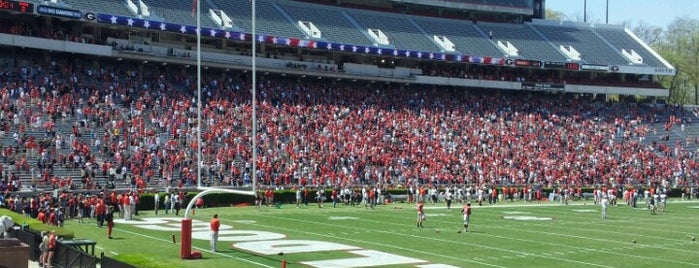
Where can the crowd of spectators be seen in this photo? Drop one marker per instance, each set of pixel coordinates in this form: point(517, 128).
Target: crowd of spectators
point(138, 127)
point(55, 32)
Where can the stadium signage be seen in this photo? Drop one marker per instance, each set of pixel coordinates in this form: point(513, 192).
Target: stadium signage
point(664, 71)
point(562, 65)
point(528, 63)
point(594, 67)
point(59, 12)
point(542, 86)
point(269, 243)
point(17, 6)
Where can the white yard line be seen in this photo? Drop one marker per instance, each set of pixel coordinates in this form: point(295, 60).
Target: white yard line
point(632, 225)
point(593, 250)
point(588, 222)
point(677, 221)
point(372, 243)
point(621, 233)
point(428, 238)
point(573, 236)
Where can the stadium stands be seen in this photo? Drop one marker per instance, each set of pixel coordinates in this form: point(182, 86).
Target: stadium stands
point(622, 40)
point(529, 44)
point(402, 33)
point(115, 7)
point(538, 40)
point(330, 21)
point(312, 137)
point(180, 12)
point(592, 48)
point(504, 3)
point(92, 123)
point(466, 37)
point(269, 20)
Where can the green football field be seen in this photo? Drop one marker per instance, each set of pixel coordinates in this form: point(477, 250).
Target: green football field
point(504, 235)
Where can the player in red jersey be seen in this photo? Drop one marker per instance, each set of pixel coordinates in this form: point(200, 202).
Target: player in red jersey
point(467, 217)
point(420, 215)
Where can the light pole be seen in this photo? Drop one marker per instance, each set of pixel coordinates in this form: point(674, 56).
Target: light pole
point(607, 18)
point(199, 102)
point(254, 93)
point(254, 98)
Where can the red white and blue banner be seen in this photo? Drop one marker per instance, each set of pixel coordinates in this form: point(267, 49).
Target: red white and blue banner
point(293, 42)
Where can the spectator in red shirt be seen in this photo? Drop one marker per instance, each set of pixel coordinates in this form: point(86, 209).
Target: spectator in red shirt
point(215, 225)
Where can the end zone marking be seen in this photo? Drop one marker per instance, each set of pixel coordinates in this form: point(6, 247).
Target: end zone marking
point(584, 210)
point(434, 239)
point(527, 218)
point(201, 249)
point(516, 212)
point(340, 218)
point(245, 221)
point(380, 244)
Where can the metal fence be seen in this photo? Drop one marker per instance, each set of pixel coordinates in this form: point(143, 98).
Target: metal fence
point(108, 262)
point(70, 257)
point(31, 239)
point(65, 256)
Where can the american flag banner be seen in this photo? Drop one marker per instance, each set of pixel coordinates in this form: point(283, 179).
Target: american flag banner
point(292, 41)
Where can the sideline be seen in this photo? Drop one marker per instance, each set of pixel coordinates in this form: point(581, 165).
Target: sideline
point(457, 205)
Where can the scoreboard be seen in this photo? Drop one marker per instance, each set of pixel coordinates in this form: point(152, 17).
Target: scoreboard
point(573, 66)
point(16, 6)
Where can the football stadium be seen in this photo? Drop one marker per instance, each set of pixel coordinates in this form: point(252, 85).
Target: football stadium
point(381, 133)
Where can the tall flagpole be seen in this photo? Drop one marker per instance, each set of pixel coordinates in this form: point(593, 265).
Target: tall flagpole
point(199, 102)
point(254, 101)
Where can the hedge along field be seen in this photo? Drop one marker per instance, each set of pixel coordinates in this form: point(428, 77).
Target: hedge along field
point(508, 234)
point(289, 197)
point(36, 225)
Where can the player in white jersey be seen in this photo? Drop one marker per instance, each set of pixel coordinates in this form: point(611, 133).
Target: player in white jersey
point(481, 195)
point(656, 198)
point(663, 201)
point(605, 203)
point(459, 194)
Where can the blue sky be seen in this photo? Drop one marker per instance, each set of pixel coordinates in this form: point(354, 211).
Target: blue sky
point(653, 12)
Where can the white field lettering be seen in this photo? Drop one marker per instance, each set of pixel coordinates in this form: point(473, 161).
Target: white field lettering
point(270, 243)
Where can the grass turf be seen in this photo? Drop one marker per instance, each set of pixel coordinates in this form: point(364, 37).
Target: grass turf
point(576, 236)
